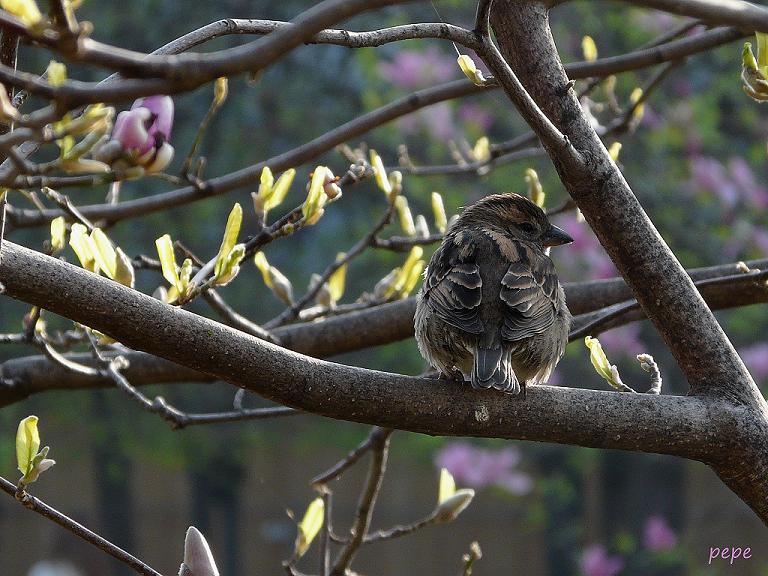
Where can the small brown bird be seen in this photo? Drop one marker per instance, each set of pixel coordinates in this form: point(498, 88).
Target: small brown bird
point(491, 309)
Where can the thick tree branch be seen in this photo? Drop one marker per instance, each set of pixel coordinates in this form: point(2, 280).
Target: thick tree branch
point(744, 15)
point(641, 255)
point(730, 437)
point(357, 330)
point(658, 281)
point(727, 436)
point(584, 417)
point(170, 75)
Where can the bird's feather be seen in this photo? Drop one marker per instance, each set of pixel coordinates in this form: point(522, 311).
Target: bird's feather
point(453, 288)
point(529, 290)
point(492, 369)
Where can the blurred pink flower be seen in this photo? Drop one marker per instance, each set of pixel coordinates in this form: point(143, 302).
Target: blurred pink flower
point(595, 561)
point(657, 535)
point(708, 175)
point(437, 120)
point(735, 184)
point(415, 69)
point(655, 21)
point(760, 238)
point(585, 257)
point(478, 467)
point(477, 115)
point(755, 357)
point(624, 340)
point(744, 178)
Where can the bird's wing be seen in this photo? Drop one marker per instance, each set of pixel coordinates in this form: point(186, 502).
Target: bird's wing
point(453, 287)
point(530, 291)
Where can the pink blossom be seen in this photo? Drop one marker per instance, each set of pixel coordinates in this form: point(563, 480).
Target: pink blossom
point(595, 561)
point(585, 257)
point(657, 535)
point(709, 175)
point(415, 69)
point(744, 178)
point(755, 358)
point(733, 185)
point(760, 239)
point(474, 114)
point(437, 120)
point(656, 21)
point(478, 467)
point(624, 340)
point(144, 131)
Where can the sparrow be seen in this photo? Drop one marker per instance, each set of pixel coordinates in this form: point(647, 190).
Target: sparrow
point(491, 309)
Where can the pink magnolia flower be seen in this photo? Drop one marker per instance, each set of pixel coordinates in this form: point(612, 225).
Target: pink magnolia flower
point(476, 115)
point(415, 69)
point(657, 535)
point(755, 357)
point(595, 561)
point(744, 178)
point(732, 184)
point(478, 467)
point(144, 131)
point(760, 240)
point(624, 340)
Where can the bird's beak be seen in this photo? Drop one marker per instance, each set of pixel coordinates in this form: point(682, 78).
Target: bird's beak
point(556, 237)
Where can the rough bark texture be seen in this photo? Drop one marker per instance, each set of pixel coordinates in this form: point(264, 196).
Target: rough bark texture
point(374, 326)
point(684, 426)
point(656, 278)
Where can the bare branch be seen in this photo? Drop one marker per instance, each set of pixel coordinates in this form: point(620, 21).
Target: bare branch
point(37, 505)
point(220, 185)
point(744, 15)
point(380, 450)
point(584, 417)
point(376, 436)
point(370, 326)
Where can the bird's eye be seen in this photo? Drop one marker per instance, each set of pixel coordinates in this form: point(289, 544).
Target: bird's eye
point(527, 227)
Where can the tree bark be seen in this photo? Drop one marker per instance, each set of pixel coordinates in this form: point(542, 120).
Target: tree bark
point(658, 281)
point(705, 429)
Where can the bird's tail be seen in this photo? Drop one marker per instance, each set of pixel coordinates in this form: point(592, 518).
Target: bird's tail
point(493, 369)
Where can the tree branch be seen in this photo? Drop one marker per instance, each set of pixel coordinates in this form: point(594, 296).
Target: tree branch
point(658, 281)
point(732, 12)
point(37, 505)
point(457, 89)
point(348, 332)
point(604, 197)
point(583, 417)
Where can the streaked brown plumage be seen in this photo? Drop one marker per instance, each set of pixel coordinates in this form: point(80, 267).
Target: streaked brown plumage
point(491, 308)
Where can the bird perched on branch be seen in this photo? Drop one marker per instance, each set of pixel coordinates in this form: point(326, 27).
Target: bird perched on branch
point(491, 309)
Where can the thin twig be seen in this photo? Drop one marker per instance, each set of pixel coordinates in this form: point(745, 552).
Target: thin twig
point(400, 530)
point(66, 204)
point(380, 448)
point(209, 116)
point(36, 505)
point(404, 243)
point(325, 535)
point(178, 419)
point(350, 459)
point(367, 241)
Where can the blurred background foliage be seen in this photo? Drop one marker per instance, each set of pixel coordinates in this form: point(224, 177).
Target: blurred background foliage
point(697, 162)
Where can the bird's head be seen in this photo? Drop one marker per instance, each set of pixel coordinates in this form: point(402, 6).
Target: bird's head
point(515, 216)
